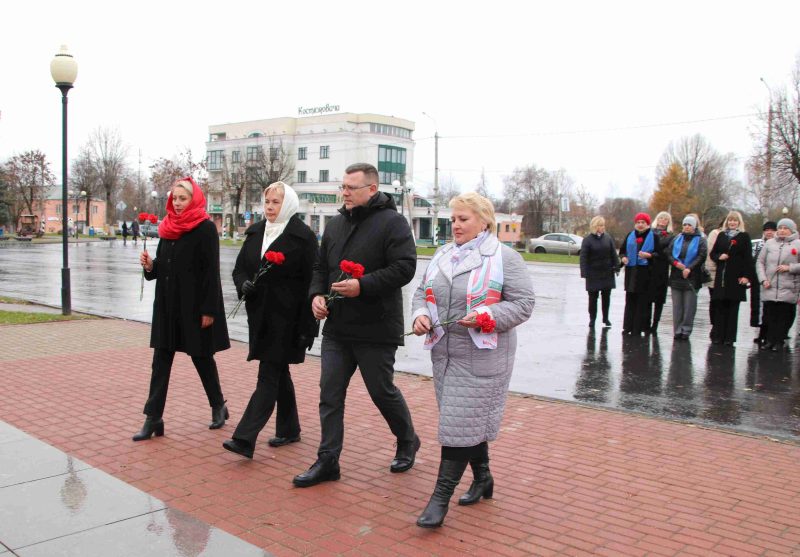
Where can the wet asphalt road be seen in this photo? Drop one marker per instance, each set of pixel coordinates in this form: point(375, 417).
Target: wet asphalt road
point(558, 356)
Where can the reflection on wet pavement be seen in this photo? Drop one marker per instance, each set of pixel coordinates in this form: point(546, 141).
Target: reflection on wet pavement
point(558, 356)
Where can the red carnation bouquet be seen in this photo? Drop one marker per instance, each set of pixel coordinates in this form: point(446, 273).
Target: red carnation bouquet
point(484, 320)
point(639, 240)
point(143, 218)
point(349, 269)
point(270, 258)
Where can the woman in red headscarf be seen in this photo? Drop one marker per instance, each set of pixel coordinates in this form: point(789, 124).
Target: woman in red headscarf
point(188, 314)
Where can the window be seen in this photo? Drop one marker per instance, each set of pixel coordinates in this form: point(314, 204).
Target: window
point(235, 156)
point(385, 129)
point(301, 176)
point(302, 153)
point(391, 163)
point(323, 175)
point(254, 153)
point(323, 152)
point(94, 209)
point(508, 228)
point(58, 209)
point(273, 153)
point(215, 160)
point(75, 208)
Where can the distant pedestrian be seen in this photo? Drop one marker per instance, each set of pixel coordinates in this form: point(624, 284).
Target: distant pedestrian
point(636, 253)
point(280, 323)
point(599, 265)
point(686, 254)
point(778, 269)
point(733, 254)
point(124, 233)
point(662, 228)
point(757, 318)
point(135, 231)
point(473, 278)
point(188, 313)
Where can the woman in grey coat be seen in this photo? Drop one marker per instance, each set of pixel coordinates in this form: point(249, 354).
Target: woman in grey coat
point(778, 267)
point(474, 292)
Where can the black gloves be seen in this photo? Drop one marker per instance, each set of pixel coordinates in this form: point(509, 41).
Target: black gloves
point(248, 287)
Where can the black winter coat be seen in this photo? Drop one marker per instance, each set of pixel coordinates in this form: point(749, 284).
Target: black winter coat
point(379, 238)
point(188, 286)
point(280, 323)
point(695, 280)
point(599, 262)
point(660, 264)
point(638, 278)
point(738, 265)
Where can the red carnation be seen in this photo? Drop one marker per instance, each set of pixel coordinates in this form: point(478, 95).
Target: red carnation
point(275, 257)
point(663, 232)
point(639, 240)
point(486, 323)
point(152, 218)
point(357, 270)
point(733, 242)
point(794, 251)
point(143, 217)
point(346, 266)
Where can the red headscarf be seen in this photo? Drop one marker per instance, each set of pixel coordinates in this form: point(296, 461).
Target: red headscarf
point(174, 225)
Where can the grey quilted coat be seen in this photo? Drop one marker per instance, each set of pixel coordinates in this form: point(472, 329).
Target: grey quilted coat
point(784, 287)
point(471, 383)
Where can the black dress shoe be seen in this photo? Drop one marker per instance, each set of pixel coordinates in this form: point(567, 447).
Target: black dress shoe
point(152, 426)
point(606, 324)
point(218, 416)
point(281, 441)
point(325, 469)
point(405, 455)
point(238, 447)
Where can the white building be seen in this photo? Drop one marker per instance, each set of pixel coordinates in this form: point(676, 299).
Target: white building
point(320, 147)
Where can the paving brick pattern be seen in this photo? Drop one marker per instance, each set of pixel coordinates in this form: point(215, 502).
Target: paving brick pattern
point(570, 480)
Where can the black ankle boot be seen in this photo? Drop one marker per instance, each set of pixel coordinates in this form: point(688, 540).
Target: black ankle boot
point(152, 426)
point(325, 469)
point(450, 472)
point(218, 416)
point(482, 484)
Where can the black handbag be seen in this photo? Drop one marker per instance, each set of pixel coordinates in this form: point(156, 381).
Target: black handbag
point(705, 275)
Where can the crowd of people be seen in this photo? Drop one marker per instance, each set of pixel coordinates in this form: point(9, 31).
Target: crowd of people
point(656, 259)
point(474, 293)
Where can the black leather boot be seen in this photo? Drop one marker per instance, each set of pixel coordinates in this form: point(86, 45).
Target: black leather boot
point(325, 469)
point(152, 426)
point(450, 472)
point(482, 484)
point(405, 455)
point(218, 416)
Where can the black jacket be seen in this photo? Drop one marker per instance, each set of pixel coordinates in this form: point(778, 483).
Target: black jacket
point(695, 280)
point(379, 238)
point(188, 286)
point(660, 263)
point(738, 265)
point(638, 277)
point(599, 262)
point(280, 323)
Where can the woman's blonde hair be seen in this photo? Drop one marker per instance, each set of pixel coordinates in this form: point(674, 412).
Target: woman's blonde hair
point(738, 216)
point(186, 185)
point(479, 205)
point(278, 187)
point(669, 221)
point(596, 223)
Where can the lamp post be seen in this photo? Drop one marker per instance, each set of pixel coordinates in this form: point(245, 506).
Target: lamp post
point(769, 152)
point(435, 177)
point(64, 70)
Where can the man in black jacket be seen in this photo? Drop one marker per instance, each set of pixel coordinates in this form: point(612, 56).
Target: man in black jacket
point(363, 328)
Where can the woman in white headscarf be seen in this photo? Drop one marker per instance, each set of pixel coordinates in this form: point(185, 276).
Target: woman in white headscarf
point(281, 326)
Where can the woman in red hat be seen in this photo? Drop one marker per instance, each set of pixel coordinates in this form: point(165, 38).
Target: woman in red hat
point(635, 254)
point(188, 314)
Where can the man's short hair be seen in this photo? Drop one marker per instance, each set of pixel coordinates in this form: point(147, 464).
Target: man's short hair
point(370, 172)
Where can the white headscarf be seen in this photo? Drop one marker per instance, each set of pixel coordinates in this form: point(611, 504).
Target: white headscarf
point(289, 207)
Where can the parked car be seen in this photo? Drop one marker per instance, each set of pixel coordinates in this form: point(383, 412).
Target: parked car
point(148, 230)
point(555, 243)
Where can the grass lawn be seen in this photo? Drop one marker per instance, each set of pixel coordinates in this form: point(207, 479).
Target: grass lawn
point(25, 318)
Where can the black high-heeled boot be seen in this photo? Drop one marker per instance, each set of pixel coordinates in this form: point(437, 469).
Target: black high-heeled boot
point(482, 484)
point(450, 472)
point(218, 416)
point(152, 426)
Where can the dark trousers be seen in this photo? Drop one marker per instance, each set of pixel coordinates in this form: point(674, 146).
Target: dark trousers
point(159, 381)
point(755, 306)
point(477, 453)
point(376, 362)
point(778, 317)
point(274, 387)
point(712, 306)
point(593, 304)
point(637, 313)
point(726, 320)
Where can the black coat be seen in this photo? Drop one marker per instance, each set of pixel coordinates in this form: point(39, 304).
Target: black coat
point(660, 263)
point(188, 286)
point(280, 323)
point(738, 265)
point(599, 262)
point(695, 280)
point(379, 238)
point(638, 278)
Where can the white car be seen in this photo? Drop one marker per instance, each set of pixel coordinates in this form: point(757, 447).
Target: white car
point(556, 242)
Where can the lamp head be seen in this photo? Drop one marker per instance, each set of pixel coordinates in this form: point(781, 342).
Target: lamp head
point(64, 68)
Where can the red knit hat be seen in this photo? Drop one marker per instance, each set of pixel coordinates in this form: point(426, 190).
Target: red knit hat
point(642, 216)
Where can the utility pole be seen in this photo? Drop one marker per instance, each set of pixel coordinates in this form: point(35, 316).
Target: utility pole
point(435, 179)
point(768, 186)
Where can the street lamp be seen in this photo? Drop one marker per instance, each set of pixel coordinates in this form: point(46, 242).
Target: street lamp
point(64, 70)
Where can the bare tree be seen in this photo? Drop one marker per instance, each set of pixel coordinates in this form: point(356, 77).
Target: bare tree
point(530, 189)
point(618, 213)
point(28, 177)
point(108, 153)
point(83, 177)
point(583, 208)
point(6, 199)
point(448, 189)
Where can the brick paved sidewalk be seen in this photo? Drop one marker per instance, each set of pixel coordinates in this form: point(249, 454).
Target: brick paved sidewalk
point(569, 479)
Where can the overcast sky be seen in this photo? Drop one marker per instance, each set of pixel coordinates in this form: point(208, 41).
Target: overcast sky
point(596, 88)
